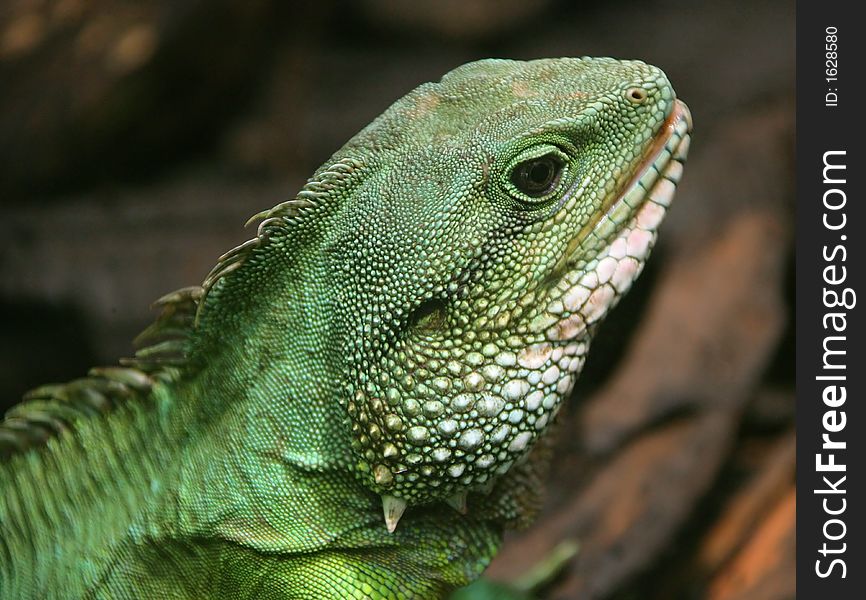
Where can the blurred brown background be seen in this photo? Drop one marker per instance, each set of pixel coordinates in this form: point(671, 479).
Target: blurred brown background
point(137, 137)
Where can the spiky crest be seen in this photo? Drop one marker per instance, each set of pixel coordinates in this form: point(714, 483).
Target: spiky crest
point(162, 348)
point(52, 410)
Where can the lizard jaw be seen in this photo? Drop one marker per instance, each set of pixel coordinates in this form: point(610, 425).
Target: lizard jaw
point(592, 289)
point(592, 286)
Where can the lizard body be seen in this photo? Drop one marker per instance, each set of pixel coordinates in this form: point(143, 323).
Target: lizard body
point(397, 338)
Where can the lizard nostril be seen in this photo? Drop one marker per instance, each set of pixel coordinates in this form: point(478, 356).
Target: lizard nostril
point(636, 94)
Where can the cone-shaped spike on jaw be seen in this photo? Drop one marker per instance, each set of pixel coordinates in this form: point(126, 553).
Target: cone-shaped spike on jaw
point(458, 502)
point(393, 509)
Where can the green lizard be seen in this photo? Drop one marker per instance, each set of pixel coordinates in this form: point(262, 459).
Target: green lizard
point(397, 338)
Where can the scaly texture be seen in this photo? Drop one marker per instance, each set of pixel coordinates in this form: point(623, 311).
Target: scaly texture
point(397, 338)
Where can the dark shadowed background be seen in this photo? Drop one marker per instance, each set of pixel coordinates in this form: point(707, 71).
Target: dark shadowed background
point(137, 137)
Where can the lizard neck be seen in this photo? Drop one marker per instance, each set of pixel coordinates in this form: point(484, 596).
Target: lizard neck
point(266, 349)
point(268, 439)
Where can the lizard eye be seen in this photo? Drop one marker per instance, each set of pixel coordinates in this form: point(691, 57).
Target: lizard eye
point(537, 177)
point(536, 174)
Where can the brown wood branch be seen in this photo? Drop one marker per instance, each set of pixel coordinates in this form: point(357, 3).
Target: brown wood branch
point(749, 506)
point(764, 568)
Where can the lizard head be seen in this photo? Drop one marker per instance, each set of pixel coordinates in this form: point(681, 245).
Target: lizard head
point(489, 223)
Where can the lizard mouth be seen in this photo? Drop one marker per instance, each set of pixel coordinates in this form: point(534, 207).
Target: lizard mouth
point(673, 136)
point(624, 232)
point(663, 161)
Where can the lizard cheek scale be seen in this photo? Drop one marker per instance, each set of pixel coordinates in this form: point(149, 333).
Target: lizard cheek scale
point(446, 405)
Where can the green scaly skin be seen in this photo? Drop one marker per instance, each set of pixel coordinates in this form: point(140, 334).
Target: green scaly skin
point(397, 337)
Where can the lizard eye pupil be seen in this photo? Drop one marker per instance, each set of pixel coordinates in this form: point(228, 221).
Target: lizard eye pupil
point(538, 176)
